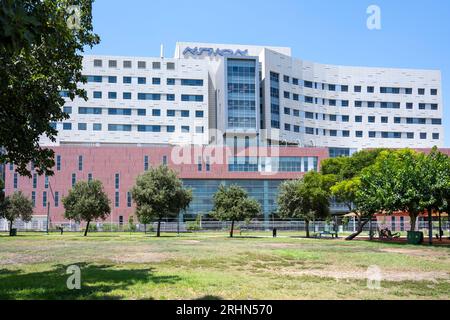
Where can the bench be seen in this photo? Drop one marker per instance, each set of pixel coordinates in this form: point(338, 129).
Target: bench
point(333, 234)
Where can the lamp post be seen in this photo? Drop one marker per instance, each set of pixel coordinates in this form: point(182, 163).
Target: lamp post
point(48, 206)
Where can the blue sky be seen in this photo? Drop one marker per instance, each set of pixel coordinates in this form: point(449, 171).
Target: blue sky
point(414, 34)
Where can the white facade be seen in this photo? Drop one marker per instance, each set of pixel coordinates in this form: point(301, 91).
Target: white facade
point(256, 92)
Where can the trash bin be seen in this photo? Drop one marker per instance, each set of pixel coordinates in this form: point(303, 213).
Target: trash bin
point(13, 232)
point(415, 237)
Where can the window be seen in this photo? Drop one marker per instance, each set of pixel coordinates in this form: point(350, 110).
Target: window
point(164, 160)
point(344, 88)
point(97, 127)
point(435, 136)
point(170, 81)
point(421, 91)
point(309, 130)
point(146, 163)
point(434, 106)
point(372, 134)
point(34, 181)
point(192, 98)
point(126, 96)
point(309, 99)
point(358, 118)
point(307, 84)
point(142, 65)
point(156, 112)
point(346, 133)
point(185, 129)
point(171, 113)
point(129, 199)
point(170, 129)
point(389, 90)
point(56, 199)
point(309, 115)
point(170, 97)
point(296, 128)
point(112, 63)
point(117, 180)
point(370, 89)
point(384, 119)
point(295, 81)
point(119, 127)
point(82, 126)
point(333, 117)
point(117, 199)
point(74, 179)
point(287, 127)
point(287, 95)
point(156, 65)
point(199, 164)
point(98, 63)
point(358, 104)
point(344, 103)
point(192, 82)
point(149, 96)
point(332, 102)
point(397, 120)
point(357, 89)
point(408, 90)
point(96, 79)
point(433, 92)
point(359, 134)
point(156, 81)
point(286, 79)
point(127, 64)
point(410, 135)
point(58, 162)
point(44, 199)
point(436, 121)
point(80, 163)
point(33, 198)
point(371, 119)
point(423, 135)
point(15, 182)
point(84, 110)
point(141, 112)
point(149, 128)
point(112, 79)
point(345, 118)
point(370, 104)
point(295, 97)
point(170, 66)
point(332, 87)
point(142, 80)
point(127, 80)
point(409, 105)
point(199, 129)
point(296, 113)
point(199, 114)
point(97, 94)
point(67, 110)
point(287, 111)
point(112, 95)
point(422, 106)
point(119, 112)
point(333, 133)
point(67, 126)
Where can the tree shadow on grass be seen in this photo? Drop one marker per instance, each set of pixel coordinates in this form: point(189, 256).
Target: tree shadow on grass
point(210, 297)
point(97, 281)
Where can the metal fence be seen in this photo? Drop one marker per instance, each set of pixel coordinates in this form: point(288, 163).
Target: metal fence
point(39, 224)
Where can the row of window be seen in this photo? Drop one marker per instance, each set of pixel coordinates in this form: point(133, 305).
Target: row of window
point(82, 126)
point(273, 164)
point(358, 134)
point(129, 112)
point(143, 80)
point(371, 119)
point(128, 64)
point(356, 89)
point(112, 95)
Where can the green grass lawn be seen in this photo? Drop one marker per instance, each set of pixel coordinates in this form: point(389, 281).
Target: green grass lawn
point(212, 266)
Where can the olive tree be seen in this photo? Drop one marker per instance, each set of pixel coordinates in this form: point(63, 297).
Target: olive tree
point(233, 204)
point(158, 194)
point(87, 201)
point(16, 206)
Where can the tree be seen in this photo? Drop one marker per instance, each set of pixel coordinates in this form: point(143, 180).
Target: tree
point(16, 206)
point(2, 191)
point(306, 198)
point(159, 193)
point(40, 55)
point(435, 186)
point(233, 204)
point(87, 201)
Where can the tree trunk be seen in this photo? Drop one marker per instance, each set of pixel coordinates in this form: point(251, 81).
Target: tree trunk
point(361, 225)
point(430, 226)
point(232, 227)
point(412, 222)
point(145, 228)
point(158, 231)
point(440, 227)
point(87, 228)
point(307, 228)
point(10, 227)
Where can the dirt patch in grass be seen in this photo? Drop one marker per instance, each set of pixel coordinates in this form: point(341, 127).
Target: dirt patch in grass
point(140, 257)
point(414, 252)
point(386, 275)
point(279, 245)
point(10, 258)
point(188, 242)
